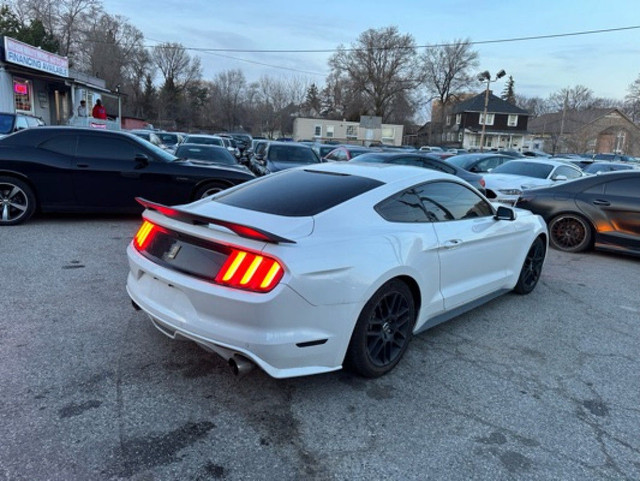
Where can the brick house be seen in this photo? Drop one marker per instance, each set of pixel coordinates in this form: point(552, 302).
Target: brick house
point(606, 130)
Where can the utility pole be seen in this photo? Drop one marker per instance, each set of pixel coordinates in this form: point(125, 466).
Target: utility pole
point(486, 77)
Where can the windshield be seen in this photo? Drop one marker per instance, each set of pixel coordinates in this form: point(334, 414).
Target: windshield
point(168, 139)
point(209, 153)
point(157, 151)
point(292, 153)
point(201, 139)
point(529, 169)
point(6, 123)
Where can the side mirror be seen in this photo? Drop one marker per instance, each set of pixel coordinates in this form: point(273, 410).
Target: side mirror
point(505, 213)
point(142, 160)
point(259, 157)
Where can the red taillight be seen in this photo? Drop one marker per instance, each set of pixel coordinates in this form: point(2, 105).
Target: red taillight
point(482, 182)
point(144, 235)
point(246, 270)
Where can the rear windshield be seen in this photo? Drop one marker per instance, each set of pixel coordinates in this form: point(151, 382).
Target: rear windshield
point(292, 153)
point(298, 193)
point(530, 169)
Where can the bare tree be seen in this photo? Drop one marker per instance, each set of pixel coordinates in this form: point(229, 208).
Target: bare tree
point(536, 106)
point(448, 70)
point(179, 71)
point(571, 98)
point(177, 67)
point(228, 93)
point(66, 19)
point(632, 100)
point(381, 65)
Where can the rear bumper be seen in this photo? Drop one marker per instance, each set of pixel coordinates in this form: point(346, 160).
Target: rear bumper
point(279, 331)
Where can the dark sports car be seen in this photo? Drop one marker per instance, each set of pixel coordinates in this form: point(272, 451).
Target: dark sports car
point(67, 169)
point(601, 211)
point(427, 161)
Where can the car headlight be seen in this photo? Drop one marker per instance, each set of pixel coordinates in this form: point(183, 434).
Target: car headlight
point(510, 191)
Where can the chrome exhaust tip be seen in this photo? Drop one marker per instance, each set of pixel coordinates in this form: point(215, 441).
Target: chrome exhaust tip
point(240, 365)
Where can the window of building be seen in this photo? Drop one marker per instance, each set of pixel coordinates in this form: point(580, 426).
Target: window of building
point(448, 120)
point(490, 119)
point(512, 121)
point(330, 130)
point(488, 141)
point(352, 131)
point(317, 131)
point(22, 95)
point(388, 134)
point(458, 119)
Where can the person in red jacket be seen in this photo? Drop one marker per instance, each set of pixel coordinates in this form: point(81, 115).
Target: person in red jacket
point(99, 112)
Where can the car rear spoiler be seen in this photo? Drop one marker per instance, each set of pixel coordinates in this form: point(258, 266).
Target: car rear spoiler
point(195, 219)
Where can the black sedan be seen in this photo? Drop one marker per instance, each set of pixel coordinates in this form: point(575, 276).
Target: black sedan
point(67, 169)
point(601, 211)
point(427, 161)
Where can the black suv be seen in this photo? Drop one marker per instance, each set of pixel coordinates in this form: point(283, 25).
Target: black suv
point(10, 123)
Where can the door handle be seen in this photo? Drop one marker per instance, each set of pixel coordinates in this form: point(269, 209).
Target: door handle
point(452, 244)
point(82, 166)
point(601, 202)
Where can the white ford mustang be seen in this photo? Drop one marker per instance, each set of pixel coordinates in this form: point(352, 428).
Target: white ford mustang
point(320, 267)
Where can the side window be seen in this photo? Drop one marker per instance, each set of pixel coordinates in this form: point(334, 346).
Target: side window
point(103, 147)
point(342, 155)
point(447, 201)
point(569, 172)
point(403, 207)
point(430, 164)
point(21, 123)
point(624, 187)
point(61, 144)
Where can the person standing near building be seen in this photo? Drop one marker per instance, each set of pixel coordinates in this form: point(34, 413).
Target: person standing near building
point(99, 112)
point(82, 109)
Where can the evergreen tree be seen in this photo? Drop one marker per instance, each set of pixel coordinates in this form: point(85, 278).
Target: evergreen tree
point(34, 34)
point(313, 103)
point(508, 93)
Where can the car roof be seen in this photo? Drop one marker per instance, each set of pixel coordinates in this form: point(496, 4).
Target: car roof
point(387, 173)
point(543, 160)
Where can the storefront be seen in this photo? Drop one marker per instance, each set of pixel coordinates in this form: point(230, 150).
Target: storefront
point(36, 82)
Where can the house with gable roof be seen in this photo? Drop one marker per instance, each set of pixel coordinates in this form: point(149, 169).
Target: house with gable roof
point(505, 124)
point(595, 131)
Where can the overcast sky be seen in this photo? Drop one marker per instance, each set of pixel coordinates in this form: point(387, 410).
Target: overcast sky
point(606, 62)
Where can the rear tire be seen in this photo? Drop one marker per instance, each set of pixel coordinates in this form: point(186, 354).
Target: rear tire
point(383, 331)
point(570, 233)
point(209, 189)
point(532, 267)
point(17, 201)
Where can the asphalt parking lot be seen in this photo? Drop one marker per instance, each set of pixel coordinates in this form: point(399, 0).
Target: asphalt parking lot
point(539, 387)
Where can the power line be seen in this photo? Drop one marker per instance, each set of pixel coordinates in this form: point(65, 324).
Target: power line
point(435, 45)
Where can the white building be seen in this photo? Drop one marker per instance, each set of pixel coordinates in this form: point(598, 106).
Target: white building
point(369, 130)
point(40, 83)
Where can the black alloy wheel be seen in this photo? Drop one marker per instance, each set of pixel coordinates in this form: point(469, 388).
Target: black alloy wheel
point(570, 233)
point(383, 331)
point(532, 267)
point(17, 201)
